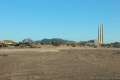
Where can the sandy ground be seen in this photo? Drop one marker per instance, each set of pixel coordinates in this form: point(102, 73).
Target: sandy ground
point(60, 64)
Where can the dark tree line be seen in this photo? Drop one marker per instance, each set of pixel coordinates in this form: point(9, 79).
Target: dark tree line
point(55, 42)
point(114, 45)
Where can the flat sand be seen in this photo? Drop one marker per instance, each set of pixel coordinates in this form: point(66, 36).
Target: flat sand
point(60, 64)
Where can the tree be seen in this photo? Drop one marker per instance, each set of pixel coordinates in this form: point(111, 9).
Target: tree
point(27, 41)
point(53, 41)
point(115, 44)
point(46, 41)
point(82, 43)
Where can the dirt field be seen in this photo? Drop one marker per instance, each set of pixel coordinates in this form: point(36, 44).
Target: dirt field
point(73, 64)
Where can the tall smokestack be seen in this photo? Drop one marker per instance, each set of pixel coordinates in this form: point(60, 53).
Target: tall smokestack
point(98, 34)
point(102, 34)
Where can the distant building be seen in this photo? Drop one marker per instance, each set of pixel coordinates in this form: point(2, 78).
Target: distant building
point(91, 43)
point(8, 42)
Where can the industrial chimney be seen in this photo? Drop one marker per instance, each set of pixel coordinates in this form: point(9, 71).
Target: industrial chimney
point(100, 35)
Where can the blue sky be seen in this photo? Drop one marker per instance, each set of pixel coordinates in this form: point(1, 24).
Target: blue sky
point(68, 19)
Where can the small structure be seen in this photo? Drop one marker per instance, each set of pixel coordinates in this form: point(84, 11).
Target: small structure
point(8, 43)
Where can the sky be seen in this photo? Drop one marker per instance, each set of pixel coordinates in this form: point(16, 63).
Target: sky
point(68, 19)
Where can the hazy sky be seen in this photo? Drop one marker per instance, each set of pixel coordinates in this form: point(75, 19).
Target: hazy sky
point(68, 19)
